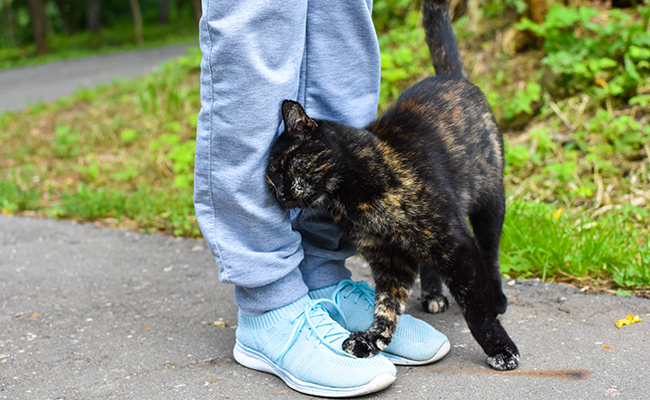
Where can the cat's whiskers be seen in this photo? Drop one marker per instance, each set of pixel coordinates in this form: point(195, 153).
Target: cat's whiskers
point(307, 207)
point(314, 212)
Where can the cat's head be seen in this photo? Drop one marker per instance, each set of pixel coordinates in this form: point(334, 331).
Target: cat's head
point(299, 165)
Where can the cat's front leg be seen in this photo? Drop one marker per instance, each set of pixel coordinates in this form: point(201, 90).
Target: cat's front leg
point(393, 280)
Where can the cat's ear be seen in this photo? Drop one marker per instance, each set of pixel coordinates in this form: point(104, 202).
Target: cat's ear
point(296, 121)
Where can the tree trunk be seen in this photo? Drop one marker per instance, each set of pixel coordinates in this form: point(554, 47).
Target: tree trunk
point(164, 10)
point(49, 29)
point(10, 30)
point(65, 16)
point(137, 20)
point(37, 18)
point(92, 16)
point(196, 4)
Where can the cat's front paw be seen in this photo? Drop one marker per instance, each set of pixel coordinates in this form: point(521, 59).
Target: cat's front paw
point(435, 304)
point(362, 345)
point(505, 361)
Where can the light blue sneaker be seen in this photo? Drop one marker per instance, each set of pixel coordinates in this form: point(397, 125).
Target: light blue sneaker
point(414, 342)
point(301, 344)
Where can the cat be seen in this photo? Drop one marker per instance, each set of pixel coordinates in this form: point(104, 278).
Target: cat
point(403, 189)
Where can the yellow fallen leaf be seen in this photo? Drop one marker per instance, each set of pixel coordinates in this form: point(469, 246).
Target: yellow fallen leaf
point(604, 346)
point(220, 324)
point(35, 315)
point(627, 321)
point(601, 82)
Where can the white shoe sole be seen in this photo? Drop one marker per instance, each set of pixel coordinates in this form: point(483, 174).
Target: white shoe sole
point(397, 360)
point(255, 360)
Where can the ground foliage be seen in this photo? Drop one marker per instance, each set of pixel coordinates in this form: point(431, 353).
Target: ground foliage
point(574, 114)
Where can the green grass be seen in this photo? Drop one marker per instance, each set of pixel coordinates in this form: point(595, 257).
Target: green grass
point(108, 40)
point(543, 240)
point(146, 209)
point(577, 175)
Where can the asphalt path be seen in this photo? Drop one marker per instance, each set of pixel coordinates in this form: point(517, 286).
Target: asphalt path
point(20, 87)
point(89, 312)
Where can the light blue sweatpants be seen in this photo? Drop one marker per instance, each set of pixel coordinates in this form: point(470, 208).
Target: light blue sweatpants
point(256, 53)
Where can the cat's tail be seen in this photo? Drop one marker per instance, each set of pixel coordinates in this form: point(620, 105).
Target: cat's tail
point(441, 40)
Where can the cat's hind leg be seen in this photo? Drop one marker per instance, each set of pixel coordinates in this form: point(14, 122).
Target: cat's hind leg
point(465, 277)
point(487, 222)
point(432, 299)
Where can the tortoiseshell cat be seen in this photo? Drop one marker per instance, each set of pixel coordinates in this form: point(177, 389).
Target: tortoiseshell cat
point(401, 189)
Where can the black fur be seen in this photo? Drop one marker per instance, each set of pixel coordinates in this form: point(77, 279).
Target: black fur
point(402, 190)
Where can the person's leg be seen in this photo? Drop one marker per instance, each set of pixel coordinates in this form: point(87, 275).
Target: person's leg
point(340, 78)
point(253, 50)
point(252, 53)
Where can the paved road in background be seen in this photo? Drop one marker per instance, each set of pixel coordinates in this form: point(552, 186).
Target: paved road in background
point(21, 87)
point(97, 313)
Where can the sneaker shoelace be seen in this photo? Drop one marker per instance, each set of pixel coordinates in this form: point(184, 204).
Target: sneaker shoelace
point(362, 289)
point(317, 318)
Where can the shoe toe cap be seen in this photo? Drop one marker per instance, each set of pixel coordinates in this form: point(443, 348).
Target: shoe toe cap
point(416, 340)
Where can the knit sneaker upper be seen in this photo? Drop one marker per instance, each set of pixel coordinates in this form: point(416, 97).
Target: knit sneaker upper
point(303, 341)
point(414, 340)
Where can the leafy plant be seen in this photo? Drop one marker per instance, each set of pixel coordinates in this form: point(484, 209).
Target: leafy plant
point(404, 58)
point(182, 156)
point(129, 173)
point(91, 172)
point(522, 101)
point(13, 198)
point(65, 144)
point(388, 14)
point(130, 135)
point(623, 132)
point(496, 8)
point(602, 59)
point(642, 100)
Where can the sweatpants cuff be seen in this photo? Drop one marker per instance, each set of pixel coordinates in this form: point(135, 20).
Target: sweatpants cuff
point(257, 300)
